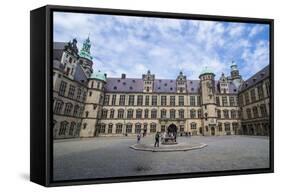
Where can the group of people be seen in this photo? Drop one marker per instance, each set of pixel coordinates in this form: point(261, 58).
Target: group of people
point(157, 137)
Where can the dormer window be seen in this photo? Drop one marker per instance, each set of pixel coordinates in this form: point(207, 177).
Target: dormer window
point(114, 87)
point(131, 88)
point(124, 83)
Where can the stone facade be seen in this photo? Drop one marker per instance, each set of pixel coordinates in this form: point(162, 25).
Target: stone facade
point(89, 104)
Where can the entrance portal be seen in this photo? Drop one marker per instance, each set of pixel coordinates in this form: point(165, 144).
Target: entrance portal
point(172, 128)
point(212, 131)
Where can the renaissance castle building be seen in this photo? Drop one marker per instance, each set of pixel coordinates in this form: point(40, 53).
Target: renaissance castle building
point(87, 103)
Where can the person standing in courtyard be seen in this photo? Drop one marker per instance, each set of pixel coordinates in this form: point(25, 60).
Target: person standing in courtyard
point(138, 138)
point(156, 144)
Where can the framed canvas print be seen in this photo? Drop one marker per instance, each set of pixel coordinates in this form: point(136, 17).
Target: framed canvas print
point(122, 95)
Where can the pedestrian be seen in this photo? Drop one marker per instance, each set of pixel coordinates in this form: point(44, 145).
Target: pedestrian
point(156, 144)
point(138, 138)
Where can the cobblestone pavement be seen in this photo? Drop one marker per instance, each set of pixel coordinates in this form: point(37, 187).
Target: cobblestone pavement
point(111, 156)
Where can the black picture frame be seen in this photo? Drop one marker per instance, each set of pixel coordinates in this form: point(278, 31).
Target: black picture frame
point(41, 145)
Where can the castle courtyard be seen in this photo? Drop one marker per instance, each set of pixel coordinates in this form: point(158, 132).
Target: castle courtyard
point(112, 156)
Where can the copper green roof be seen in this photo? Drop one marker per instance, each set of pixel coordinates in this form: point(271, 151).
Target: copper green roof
point(206, 70)
point(85, 51)
point(99, 76)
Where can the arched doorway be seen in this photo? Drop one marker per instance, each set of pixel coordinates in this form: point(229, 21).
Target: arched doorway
point(172, 128)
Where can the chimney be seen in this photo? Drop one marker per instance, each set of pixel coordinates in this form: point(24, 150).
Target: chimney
point(123, 76)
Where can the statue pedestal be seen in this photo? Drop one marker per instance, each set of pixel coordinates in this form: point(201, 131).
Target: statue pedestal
point(169, 141)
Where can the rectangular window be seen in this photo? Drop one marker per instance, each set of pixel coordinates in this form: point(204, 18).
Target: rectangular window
point(113, 100)
point(172, 114)
point(152, 128)
point(193, 125)
point(131, 99)
point(138, 128)
point(154, 100)
point(172, 100)
point(233, 114)
point(181, 114)
point(219, 113)
point(255, 112)
point(192, 101)
point(79, 94)
point(198, 101)
point(112, 113)
point(163, 113)
point(154, 114)
point(231, 101)
point(260, 92)
point(146, 113)
point(106, 100)
point(163, 128)
point(249, 113)
point(147, 100)
point(62, 88)
point(181, 128)
point(104, 114)
point(109, 128)
point(247, 99)
point(181, 100)
point(263, 110)
point(71, 91)
point(226, 114)
point(253, 95)
point(163, 100)
point(192, 114)
point(227, 127)
point(130, 114)
point(267, 88)
point(120, 114)
point(119, 128)
point(218, 101)
point(139, 114)
point(220, 127)
point(129, 128)
point(224, 101)
point(199, 112)
point(122, 100)
point(139, 100)
point(240, 100)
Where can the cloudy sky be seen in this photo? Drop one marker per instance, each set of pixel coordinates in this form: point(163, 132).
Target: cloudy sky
point(133, 45)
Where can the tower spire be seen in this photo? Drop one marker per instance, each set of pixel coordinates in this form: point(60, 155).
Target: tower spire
point(85, 51)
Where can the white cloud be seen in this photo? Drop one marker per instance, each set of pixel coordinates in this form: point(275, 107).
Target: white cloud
point(132, 45)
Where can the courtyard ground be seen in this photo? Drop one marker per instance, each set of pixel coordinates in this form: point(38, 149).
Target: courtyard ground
point(112, 156)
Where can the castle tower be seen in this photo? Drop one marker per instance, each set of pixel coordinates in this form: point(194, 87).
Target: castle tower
point(148, 80)
point(85, 59)
point(181, 83)
point(69, 58)
point(235, 76)
point(223, 84)
point(207, 84)
point(93, 106)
